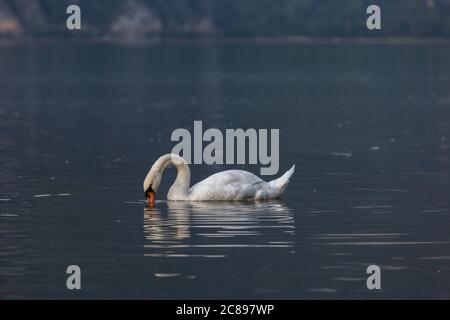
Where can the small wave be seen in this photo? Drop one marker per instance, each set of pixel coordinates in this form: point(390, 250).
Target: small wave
point(342, 154)
point(46, 195)
point(348, 279)
point(436, 258)
point(322, 290)
point(167, 275)
point(380, 243)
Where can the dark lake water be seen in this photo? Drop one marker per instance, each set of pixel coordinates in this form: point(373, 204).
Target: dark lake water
point(366, 125)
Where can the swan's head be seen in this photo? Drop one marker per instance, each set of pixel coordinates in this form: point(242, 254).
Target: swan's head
point(151, 185)
point(153, 178)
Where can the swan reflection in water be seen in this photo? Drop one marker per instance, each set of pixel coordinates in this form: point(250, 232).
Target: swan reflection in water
point(178, 228)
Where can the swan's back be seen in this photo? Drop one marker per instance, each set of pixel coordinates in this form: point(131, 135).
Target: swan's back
point(231, 177)
point(235, 185)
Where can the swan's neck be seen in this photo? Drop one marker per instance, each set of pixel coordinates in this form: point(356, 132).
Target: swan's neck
point(180, 187)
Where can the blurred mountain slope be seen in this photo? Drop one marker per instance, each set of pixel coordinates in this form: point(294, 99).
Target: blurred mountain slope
point(136, 19)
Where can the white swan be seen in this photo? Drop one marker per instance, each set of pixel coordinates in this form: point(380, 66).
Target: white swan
point(223, 186)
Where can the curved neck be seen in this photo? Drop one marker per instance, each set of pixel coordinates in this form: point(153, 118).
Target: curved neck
point(183, 180)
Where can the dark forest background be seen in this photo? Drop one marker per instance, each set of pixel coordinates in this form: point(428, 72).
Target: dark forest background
point(136, 19)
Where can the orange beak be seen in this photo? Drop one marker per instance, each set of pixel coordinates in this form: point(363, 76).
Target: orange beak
point(151, 198)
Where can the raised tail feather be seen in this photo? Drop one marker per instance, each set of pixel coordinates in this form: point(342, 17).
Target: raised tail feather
point(283, 181)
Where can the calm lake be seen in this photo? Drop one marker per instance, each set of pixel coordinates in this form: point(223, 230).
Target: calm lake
point(367, 126)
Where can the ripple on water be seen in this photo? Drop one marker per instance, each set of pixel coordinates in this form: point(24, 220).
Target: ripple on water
point(348, 279)
point(167, 275)
point(46, 195)
point(322, 290)
point(8, 215)
point(384, 243)
point(436, 258)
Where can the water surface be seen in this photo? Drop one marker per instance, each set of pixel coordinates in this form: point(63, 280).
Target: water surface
point(366, 125)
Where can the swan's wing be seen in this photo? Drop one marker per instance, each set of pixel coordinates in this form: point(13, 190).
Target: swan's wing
point(226, 185)
point(230, 177)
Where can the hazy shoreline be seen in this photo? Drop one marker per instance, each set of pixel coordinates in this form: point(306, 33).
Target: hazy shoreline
point(232, 40)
